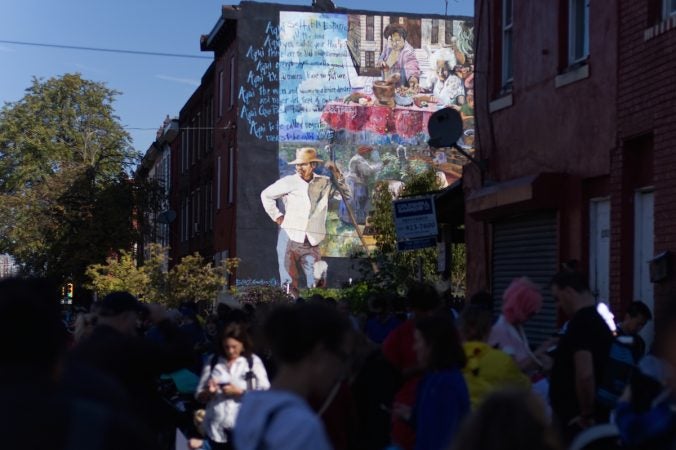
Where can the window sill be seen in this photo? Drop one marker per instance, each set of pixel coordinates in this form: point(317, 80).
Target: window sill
point(572, 76)
point(661, 28)
point(500, 103)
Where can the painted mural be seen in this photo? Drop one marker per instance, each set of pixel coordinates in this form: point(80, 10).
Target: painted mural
point(355, 95)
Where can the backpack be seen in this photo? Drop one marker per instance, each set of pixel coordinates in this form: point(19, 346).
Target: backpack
point(250, 376)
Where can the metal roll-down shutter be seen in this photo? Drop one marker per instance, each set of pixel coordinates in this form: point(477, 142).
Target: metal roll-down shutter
point(527, 246)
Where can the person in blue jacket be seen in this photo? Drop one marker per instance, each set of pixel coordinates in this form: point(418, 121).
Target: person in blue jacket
point(442, 399)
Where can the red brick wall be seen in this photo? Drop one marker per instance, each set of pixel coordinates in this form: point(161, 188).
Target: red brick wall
point(646, 106)
point(569, 129)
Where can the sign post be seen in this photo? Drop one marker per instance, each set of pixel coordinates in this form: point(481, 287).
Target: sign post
point(415, 222)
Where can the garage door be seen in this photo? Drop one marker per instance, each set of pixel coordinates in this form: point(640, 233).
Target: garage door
point(527, 246)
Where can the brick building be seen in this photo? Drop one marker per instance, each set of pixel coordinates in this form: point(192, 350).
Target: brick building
point(575, 131)
point(156, 167)
point(546, 100)
point(642, 185)
point(193, 173)
point(231, 143)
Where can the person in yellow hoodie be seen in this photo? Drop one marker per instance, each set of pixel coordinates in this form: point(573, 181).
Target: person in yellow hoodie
point(487, 368)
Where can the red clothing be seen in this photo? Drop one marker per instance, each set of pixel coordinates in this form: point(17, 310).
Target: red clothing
point(398, 349)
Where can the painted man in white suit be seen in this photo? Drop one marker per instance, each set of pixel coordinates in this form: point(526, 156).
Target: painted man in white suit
point(307, 201)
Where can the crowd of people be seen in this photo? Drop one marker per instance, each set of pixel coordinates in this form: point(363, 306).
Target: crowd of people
point(415, 373)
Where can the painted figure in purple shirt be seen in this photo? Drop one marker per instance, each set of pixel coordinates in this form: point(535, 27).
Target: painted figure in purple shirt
point(398, 59)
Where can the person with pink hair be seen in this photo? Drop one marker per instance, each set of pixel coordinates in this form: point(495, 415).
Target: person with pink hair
point(520, 301)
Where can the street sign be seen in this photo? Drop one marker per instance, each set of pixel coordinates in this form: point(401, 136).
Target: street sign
point(415, 222)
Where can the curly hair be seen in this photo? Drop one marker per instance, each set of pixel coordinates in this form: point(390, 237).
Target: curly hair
point(395, 28)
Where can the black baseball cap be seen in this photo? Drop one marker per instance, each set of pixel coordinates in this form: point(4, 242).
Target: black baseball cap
point(119, 302)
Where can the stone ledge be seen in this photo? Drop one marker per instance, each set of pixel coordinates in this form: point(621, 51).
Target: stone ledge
point(500, 103)
point(572, 76)
point(661, 28)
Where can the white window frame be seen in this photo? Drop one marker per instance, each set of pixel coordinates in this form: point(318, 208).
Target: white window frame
point(507, 63)
point(668, 8)
point(573, 35)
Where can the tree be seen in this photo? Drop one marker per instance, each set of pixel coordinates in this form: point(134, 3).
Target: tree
point(65, 198)
point(194, 279)
point(119, 274)
point(397, 269)
point(191, 279)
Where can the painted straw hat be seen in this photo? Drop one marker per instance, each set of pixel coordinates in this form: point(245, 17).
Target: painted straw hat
point(306, 155)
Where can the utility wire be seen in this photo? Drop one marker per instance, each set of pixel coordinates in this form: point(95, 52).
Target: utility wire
point(109, 50)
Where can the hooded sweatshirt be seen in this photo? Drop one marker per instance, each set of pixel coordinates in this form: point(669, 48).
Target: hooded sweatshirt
point(489, 369)
point(278, 420)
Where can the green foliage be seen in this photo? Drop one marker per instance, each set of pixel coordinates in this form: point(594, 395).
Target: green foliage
point(191, 279)
point(194, 279)
point(397, 269)
point(459, 268)
point(118, 274)
point(65, 200)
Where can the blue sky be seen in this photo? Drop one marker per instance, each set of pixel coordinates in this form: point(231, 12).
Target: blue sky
point(151, 87)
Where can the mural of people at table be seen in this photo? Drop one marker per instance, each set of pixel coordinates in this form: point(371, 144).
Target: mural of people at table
point(398, 60)
point(306, 199)
point(444, 84)
point(335, 96)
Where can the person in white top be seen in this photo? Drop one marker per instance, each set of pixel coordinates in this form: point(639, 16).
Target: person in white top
point(307, 202)
point(226, 376)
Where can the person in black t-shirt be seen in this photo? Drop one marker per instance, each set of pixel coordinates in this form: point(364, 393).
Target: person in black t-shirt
point(580, 357)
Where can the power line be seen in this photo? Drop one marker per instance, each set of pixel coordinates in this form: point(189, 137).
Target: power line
point(109, 50)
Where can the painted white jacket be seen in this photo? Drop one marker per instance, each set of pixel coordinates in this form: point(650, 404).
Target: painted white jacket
point(307, 204)
point(222, 410)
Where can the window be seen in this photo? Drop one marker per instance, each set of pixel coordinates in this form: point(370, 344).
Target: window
point(668, 8)
point(184, 149)
point(231, 175)
point(200, 135)
point(218, 183)
point(221, 85)
point(232, 81)
point(182, 220)
point(370, 59)
point(448, 32)
point(578, 30)
point(370, 28)
point(197, 212)
point(209, 124)
point(193, 141)
point(507, 63)
point(186, 217)
point(209, 205)
point(434, 39)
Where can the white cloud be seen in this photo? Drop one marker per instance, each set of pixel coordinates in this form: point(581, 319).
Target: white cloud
point(188, 81)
